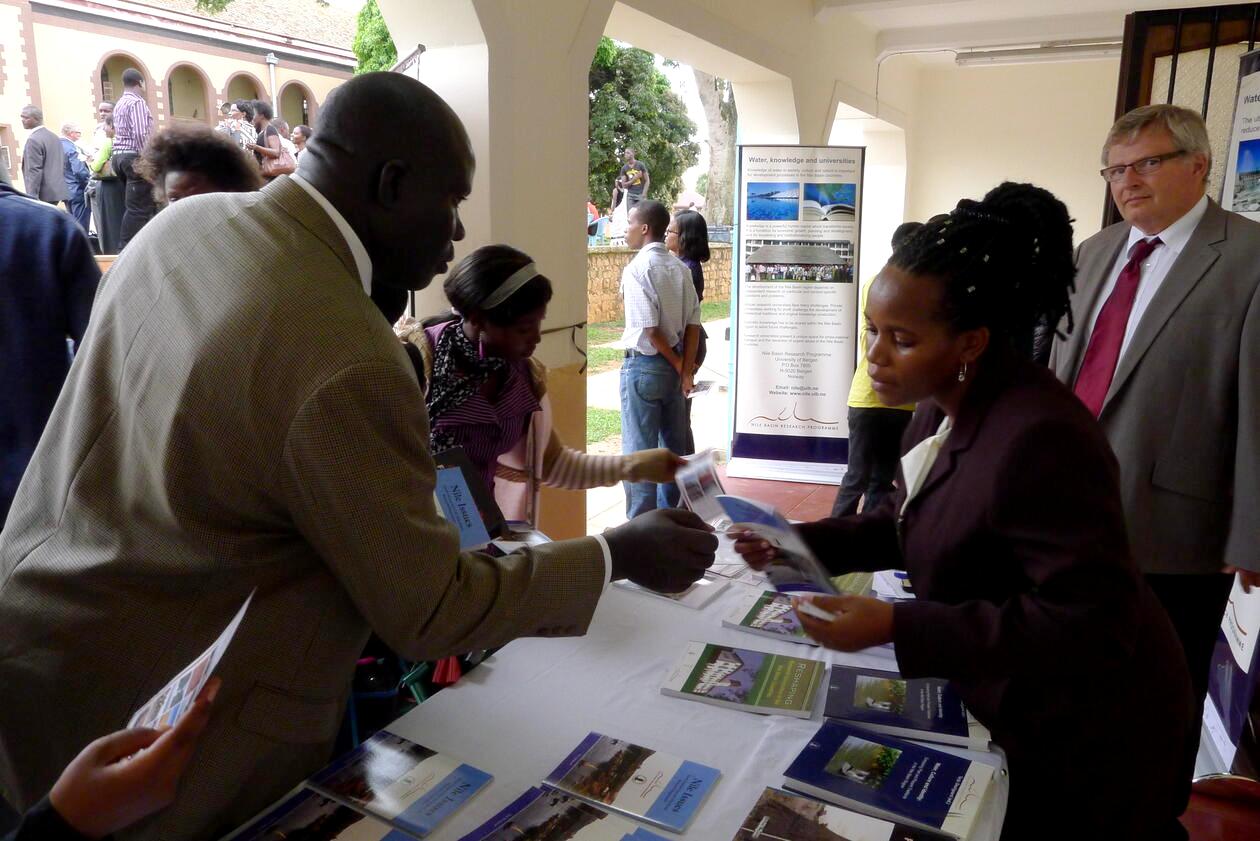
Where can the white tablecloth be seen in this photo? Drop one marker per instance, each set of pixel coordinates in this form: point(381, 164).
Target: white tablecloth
point(521, 712)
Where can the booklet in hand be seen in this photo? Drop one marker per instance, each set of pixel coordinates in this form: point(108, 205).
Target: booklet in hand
point(795, 570)
point(638, 782)
point(465, 500)
point(399, 781)
point(176, 698)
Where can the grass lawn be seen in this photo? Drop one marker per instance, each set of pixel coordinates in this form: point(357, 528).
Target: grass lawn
point(601, 359)
point(601, 424)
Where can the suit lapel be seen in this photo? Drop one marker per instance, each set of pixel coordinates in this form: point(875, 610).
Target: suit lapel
point(1093, 271)
point(1183, 276)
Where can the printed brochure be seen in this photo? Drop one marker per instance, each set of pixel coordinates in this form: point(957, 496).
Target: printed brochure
point(780, 816)
point(399, 781)
point(921, 708)
point(746, 680)
point(176, 698)
point(891, 778)
point(635, 781)
point(544, 814)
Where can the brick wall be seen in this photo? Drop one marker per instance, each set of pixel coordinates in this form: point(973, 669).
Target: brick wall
point(603, 279)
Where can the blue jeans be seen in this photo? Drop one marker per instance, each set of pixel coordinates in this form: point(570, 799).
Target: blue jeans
point(652, 415)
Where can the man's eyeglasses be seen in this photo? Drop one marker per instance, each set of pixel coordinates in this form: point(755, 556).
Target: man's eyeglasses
point(1143, 167)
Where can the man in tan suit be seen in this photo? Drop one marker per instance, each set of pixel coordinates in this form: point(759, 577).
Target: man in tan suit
point(229, 427)
point(1166, 353)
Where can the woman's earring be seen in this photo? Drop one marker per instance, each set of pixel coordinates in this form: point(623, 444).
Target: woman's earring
point(481, 347)
point(962, 373)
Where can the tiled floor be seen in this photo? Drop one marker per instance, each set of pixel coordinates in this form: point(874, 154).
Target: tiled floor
point(1206, 819)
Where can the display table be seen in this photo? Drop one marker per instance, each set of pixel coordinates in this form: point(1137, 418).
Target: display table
point(519, 713)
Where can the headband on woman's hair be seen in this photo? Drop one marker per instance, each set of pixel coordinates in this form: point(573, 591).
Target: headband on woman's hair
point(509, 287)
point(969, 209)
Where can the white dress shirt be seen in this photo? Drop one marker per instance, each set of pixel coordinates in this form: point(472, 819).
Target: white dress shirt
point(1154, 268)
point(657, 291)
point(362, 261)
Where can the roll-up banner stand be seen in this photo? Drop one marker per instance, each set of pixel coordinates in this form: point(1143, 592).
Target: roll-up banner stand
point(1231, 715)
point(796, 319)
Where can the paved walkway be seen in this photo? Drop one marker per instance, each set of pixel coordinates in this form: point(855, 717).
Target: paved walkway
point(710, 418)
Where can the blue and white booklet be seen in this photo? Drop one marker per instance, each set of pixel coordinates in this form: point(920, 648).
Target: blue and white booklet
point(889, 778)
point(927, 709)
point(545, 813)
point(309, 814)
point(642, 783)
point(392, 778)
point(795, 570)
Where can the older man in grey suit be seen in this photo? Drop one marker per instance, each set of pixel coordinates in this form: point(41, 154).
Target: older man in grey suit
point(1166, 352)
point(43, 161)
point(205, 445)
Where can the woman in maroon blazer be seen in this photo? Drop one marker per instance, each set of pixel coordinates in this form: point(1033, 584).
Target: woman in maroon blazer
point(1013, 534)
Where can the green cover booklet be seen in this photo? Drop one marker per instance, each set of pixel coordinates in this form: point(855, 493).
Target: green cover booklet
point(754, 681)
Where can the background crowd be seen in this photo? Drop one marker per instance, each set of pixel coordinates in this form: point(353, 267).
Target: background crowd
point(115, 181)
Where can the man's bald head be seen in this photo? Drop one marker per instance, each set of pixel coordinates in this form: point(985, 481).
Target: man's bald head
point(378, 116)
point(395, 161)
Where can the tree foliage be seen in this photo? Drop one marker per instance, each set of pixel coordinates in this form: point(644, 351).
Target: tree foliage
point(373, 46)
point(632, 106)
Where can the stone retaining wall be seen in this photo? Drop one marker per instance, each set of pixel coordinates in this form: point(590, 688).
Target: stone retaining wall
point(603, 279)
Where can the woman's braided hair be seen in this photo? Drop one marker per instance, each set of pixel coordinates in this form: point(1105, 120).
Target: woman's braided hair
point(1006, 262)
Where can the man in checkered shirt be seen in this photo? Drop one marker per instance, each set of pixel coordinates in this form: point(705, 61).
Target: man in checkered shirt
point(660, 340)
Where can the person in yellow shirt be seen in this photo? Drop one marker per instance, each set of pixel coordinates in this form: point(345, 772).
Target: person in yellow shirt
point(874, 429)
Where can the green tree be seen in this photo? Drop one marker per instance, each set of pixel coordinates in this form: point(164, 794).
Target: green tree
point(632, 106)
point(373, 46)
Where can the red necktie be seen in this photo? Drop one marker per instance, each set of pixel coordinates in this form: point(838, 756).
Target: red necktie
point(1094, 378)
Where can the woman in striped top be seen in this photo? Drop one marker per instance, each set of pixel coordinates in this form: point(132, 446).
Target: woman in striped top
point(484, 389)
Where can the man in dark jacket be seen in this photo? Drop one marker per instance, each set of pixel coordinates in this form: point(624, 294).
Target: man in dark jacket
point(48, 279)
point(43, 161)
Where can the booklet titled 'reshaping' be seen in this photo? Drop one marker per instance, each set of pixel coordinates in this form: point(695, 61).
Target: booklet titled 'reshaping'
point(640, 782)
point(920, 708)
point(402, 782)
point(753, 681)
point(769, 614)
point(544, 813)
point(779, 816)
point(891, 778)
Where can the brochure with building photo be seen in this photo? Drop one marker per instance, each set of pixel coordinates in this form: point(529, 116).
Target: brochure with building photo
point(891, 778)
point(927, 709)
point(545, 814)
point(311, 816)
point(399, 781)
point(780, 816)
point(636, 781)
point(696, 596)
point(795, 570)
point(176, 698)
point(753, 681)
point(768, 614)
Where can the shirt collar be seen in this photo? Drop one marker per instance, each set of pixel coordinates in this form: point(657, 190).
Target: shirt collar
point(1176, 235)
point(653, 246)
point(362, 261)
